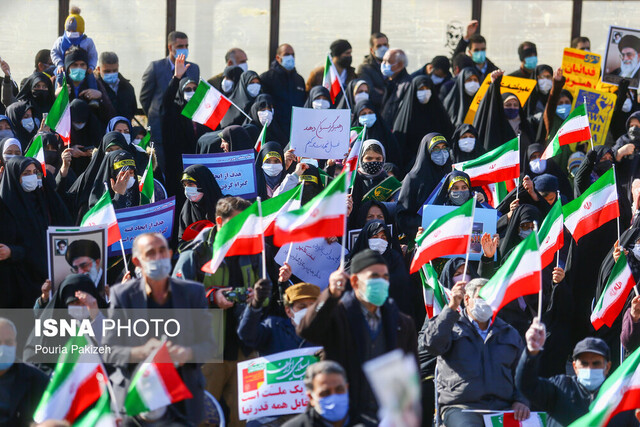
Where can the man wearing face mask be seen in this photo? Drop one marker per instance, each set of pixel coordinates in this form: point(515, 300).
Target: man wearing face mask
point(341, 59)
point(475, 46)
point(398, 81)
point(235, 57)
point(156, 290)
point(370, 67)
point(359, 325)
point(21, 384)
point(477, 356)
point(118, 89)
point(528, 54)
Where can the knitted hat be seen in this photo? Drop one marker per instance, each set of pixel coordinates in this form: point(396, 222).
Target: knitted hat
point(74, 22)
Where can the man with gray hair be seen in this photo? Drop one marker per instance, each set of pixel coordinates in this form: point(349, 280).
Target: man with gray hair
point(394, 70)
point(477, 358)
point(120, 92)
point(328, 393)
point(235, 57)
point(21, 384)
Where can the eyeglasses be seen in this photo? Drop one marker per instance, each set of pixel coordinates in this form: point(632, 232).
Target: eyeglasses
point(82, 266)
point(629, 55)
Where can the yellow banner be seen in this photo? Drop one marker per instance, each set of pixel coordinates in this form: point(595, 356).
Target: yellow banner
point(520, 87)
point(581, 69)
point(599, 108)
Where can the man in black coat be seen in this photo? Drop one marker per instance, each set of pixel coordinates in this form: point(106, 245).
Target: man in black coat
point(398, 80)
point(120, 91)
point(475, 46)
point(370, 67)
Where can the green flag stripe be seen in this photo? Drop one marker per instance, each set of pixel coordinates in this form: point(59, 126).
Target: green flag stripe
point(336, 186)
point(35, 147)
point(618, 268)
point(604, 181)
point(104, 201)
point(492, 155)
point(465, 210)
point(193, 104)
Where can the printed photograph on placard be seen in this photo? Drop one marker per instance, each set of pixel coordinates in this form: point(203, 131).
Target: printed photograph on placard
point(621, 58)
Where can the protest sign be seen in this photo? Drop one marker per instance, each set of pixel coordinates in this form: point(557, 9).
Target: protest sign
point(621, 59)
point(312, 261)
point(581, 69)
point(320, 134)
point(68, 244)
point(153, 218)
point(599, 108)
point(507, 419)
point(273, 385)
point(484, 221)
point(520, 87)
point(235, 172)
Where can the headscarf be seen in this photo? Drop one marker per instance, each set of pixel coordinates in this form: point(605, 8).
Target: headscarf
point(42, 104)
point(6, 143)
point(274, 131)
point(457, 155)
point(523, 213)
point(312, 182)
point(109, 169)
point(442, 198)
point(378, 131)
point(315, 93)
point(349, 91)
point(414, 119)
point(237, 137)
point(537, 100)
point(457, 102)
point(262, 179)
point(241, 97)
point(206, 207)
point(209, 142)
point(184, 81)
point(15, 113)
point(138, 153)
point(363, 211)
point(449, 271)
point(233, 73)
point(363, 183)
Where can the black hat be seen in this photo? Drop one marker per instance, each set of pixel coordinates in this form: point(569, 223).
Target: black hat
point(364, 259)
point(76, 282)
point(80, 248)
point(339, 47)
point(592, 345)
point(441, 63)
point(629, 41)
point(75, 54)
point(546, 183)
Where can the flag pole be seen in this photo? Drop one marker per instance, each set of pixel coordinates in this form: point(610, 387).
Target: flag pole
point(291, 244)
point(344, 228)
point(264, 255)
point(124, 255)
point(558, 251)
point(518, 186)
point(586, 110)
point(535, 230)
point(230, 101)
point(615, 181)
point(344, 94)
point(473, 212)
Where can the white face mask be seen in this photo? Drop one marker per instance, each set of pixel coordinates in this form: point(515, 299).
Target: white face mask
point(424, 95)
point(320, 104)
point(6, 157)
point(481, 311)
point(244, 66)
point(193, 194)
point(461, 278)
point(636, 251)
point(137, 141)
point(272, 169)
point(265, 117)
point(253, 89)
point(29, 183)
point(227, 85)
point(379, 245)
point(79, 125)
point(470, 88)
point(78, 312)
point(72, 34)
point(467, 144)
point(361, 96)
point(130, 182)
point(127, 137)
point(298, 315)
point(626, 107)
point(28, 124)
point(188, 95)
point(545, 85)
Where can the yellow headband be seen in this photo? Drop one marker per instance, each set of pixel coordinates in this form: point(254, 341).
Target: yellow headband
point(186, 177)
point(123, 163)
point(456, 179)
point(435, 140)
point(272, 154)
point(309, 178)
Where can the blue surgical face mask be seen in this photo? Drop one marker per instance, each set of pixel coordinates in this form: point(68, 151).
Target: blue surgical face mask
point(77, 74)
point(479, 56)
point(381, 51)
point(524, 233)
point(458, 197)
point(375, 291)
point(184, 52)
point(334, 407)
point(563, 110)
point(538, 165)
point(7, 133)
point(440, 157)
point(110, 78)
point(254, 89)
point(385, 69)
point(288, 62)
point(591, 379)
point(28, 124)
point(511, 113)
point(436, 80)
point(530, 62)
point(367, 120)
point(8, 357)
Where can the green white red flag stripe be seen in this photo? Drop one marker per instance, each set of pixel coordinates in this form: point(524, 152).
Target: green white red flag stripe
point(519, 275)
point(330, 79)
point(74, 386)
point(207, 106)
point(261, 139)
point(507, 419)
point(155, 384)
point(59, 117)
point(36, 150)
point(435, 295)
point(146, 185)
point(276, 206)
point(614, 295)
point(619, 393)
point(598, 205)
point(145, 141)
point(100, 415)
point(574, 129)
point(551, 234)
point(499, 164)
point(447, 235)
point(322, 216)
point(103, 213)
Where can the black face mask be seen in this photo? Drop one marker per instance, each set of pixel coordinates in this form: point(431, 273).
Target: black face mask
point(40, 95)
point(310, 191)
point(372, 168)
point(601, 167)
point(345, 61)
point(634, 133)
point(51, 157)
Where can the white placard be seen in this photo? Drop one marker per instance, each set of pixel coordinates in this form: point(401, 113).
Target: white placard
point(320, 134)
point(312, 261)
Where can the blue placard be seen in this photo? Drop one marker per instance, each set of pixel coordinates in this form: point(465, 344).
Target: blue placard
point(235, 172)
point(153, 218)
point(484, 221)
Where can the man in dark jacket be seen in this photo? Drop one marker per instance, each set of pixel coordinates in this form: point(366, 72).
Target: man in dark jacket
point(475, 46)
point(394, 69)
point(119, 90)
point(341, 58)
point(528, 54)
point(477, 357)
point(358, 326)
point(285, 86)
point(370, 67)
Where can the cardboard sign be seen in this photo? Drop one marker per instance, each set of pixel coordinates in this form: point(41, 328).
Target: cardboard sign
point(312, 261)
point(518, 86)
point(273, 385)
point(600, 109)
point(153, 218)
point(616, 67)
point(235, 172)
point(320, 134)
point(484, 221)
point(581, 69)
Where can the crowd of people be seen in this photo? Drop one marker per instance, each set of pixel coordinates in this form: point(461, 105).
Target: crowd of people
point(415, 131)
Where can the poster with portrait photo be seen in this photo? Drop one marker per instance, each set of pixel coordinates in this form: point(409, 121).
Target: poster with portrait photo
point(77, 250)
point(622, 56)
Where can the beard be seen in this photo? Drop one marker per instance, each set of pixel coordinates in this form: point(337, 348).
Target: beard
point(627, 67)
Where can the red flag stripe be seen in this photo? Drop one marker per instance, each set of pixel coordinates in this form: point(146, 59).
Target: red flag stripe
point(218, 113)
point(452, 246)
point(86, 394)
point(596, 219)
point(500, 175)
point(326, 227)
point(525, 285)
point(579, 135)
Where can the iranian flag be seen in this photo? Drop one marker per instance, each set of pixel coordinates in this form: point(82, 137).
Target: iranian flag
point(59, 117)
point(614, 295)
point(519, 275)
point(36, 150)
point(435, 296)
point(507, 419)
point(598, 205)
point(447, 235)
point(74, 386)
point(207, 106)
point(103, 213)
point(620, 392)
point(146, 185)
point(274, 207)
point(261, 139)
point(351, 162)
point(551, 234)
point(144, 143)
point(574, 129)
point(155, 384)
point(498, 165)
point(330, 80)
point(100, 415)
point(322, 216)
